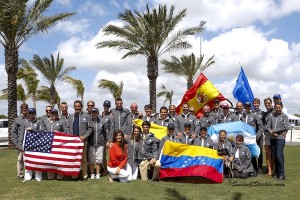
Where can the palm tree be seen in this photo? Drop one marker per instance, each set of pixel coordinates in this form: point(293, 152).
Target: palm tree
point(186, 66)
point(150, 34)
point(21, 94)
point(29, 76)
point(115, 89)
point(19, 21)
point(43, 94)
point(165, 93)
point(77, 84)
point(52, 70)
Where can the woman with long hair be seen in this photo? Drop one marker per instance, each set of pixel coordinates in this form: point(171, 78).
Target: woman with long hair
point(267, 144)
point(118, 157)
point(133, 141)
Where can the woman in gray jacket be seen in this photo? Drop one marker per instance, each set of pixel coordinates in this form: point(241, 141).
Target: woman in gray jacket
point(96, 143)
point(133, 143)
point(241, 159)
point(278, 126)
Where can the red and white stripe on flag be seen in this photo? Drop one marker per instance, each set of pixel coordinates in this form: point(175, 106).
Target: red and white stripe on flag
point(64, 157)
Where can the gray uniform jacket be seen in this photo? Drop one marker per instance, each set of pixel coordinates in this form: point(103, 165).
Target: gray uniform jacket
point(244, 160)
point(133, 147)
point(128, 123)
point(148, 148)
point(164, 122)
point(35, 125)
point(225, 118)
point(119, 117)
point(98, 136)
point(151, 119)
point(252, 120)
point(266, 118)
point(184, 139)
point(43, 121)
point(208, 142)
point(107, 120)
point(16, 130)
point(236, 116)
point(278, 123)
point(58, 125)
point(85, 128)
point(226, 145)
point(163, 140)
point(182, 119)
point(205, 121)
point(216, 113)
point(64, 119)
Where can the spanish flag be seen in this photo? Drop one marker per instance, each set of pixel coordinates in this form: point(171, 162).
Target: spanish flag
point(182, 160)
point(201, 93)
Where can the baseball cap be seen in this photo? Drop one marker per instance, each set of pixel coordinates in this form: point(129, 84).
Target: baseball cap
point(216, 101)
point(32, 110)
point(95, 110)
point(277, 96)
point(187, 124)
point(106, 103)
point(247, 104)
point(171, 126)
point(203, 128)
point(54, 111)
point(225, 105)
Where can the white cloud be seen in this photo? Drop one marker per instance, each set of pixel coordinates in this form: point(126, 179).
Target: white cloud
point(72, 27)
point(64, 2)
point(92, 8)
point(226, 14)
point(267, 62)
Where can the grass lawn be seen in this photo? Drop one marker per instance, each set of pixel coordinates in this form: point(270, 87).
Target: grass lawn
point(11, 188)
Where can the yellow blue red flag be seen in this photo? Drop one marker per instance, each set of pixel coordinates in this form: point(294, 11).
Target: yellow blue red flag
point(182, 160)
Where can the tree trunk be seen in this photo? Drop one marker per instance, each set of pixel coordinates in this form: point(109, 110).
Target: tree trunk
point(53, 96)
point(189, 83)
point(11, 67)
point(152, 72)
point(33, 96)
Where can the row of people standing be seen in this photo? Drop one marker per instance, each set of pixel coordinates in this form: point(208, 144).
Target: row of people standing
point(120, 118)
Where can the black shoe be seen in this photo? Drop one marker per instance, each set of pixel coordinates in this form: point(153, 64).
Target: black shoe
point(275, 176)
point(281, 178)
point(253, 174)
point(259, 171)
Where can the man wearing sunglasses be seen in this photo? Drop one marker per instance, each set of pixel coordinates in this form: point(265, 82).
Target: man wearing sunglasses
point(46, 117)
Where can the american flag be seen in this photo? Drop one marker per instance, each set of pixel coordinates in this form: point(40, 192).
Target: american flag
point(53, 152)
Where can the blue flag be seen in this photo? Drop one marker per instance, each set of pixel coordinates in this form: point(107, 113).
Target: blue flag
point(242, 90)
point(233, 129)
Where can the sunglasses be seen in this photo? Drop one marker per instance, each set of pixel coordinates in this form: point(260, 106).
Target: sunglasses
point(48, 110)
point(90, 105)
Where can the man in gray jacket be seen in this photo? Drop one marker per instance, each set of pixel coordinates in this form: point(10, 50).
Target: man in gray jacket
point(185, 117)
point(119, 116)
point(16, 132)
point(80, 125)
point(251, 119)
point(46, 117)
point(147, 152)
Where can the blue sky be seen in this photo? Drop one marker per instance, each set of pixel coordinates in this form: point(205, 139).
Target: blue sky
point(261, 35)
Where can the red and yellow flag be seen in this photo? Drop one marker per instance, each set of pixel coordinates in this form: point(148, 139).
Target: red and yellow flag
point(201, 93)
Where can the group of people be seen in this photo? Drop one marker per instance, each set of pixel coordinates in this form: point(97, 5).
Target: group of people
point(134, 151)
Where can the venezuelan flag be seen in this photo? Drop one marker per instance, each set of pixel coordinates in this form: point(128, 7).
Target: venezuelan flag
point(180, 160)
point(201, 93)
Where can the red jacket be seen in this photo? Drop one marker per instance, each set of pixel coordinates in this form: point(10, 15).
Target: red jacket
point(116, 156)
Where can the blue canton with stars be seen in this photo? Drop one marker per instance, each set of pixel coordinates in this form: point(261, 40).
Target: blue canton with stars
point(39, 141)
